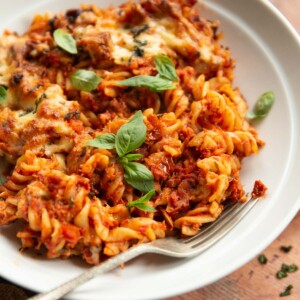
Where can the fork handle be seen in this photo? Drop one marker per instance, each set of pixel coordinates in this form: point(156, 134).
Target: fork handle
point(106, 266)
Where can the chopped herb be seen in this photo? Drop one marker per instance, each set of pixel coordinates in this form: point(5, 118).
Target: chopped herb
point(65, 41)
point(286, 249)
point(16, 79)
point(72, 115)
point(28, 111)
point(262, 259)
point(141, 43)
point(138, 52)
point(84, 80)
point(289, 268)
point(287, 291)
point(136, 31)
point(3, 94)
point(72, 15)
point(285, 268)
point(281, 274)
point(38, 101)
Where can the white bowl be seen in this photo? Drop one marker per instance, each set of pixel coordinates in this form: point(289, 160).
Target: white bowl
point(267, 52)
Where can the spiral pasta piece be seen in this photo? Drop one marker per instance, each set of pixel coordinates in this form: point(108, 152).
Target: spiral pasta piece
point(176, 101)
point(216, 142)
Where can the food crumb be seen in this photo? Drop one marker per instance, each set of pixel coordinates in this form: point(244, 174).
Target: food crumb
point(259, 189)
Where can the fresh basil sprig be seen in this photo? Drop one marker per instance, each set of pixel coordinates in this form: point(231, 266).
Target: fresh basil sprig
point(155, 84)
point(165, 67)
point(85, 80)
point(104, 141)
point(3, 94)
point(141, 202)
point(262, 106)
point(161, 82)
point(65, 41)
point(129, 137)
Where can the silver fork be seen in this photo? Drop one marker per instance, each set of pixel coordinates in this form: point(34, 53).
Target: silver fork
point(171, 246)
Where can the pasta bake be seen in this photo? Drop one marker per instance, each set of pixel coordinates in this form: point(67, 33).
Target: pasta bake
point(118, 126)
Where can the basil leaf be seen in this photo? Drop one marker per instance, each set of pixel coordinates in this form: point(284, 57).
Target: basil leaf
point(130, 157)
point(145, 207)
point(262, 106)
point(138, 30)
point(165, 67)
point(155, 84)
point(65, 41)
point(141, 202)
point(104, 141)
point(84, 80)
point(3, 94)
point(131, 135)
point(138, 176)
point(133, 156)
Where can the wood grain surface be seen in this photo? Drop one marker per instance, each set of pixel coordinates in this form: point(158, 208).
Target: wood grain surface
point(252, 281)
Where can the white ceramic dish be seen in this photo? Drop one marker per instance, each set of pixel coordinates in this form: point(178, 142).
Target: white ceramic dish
point(267, 51)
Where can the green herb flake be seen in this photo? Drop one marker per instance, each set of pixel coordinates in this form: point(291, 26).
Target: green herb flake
point(289, 268)
point(104, 141)
point(262, 106)
point(287, 291)
point(262, 259)
point(165, 67)
point(155, 84)
point(131, 135)
point(84, 80)
point(38, 102)
point(286, 249)
point(281, 274)
point(3, 94)
point(65, 41)
point(141, 43)
point(136, 31)
point(141, 203)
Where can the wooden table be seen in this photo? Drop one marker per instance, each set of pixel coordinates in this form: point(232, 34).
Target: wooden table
point(252, 281)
